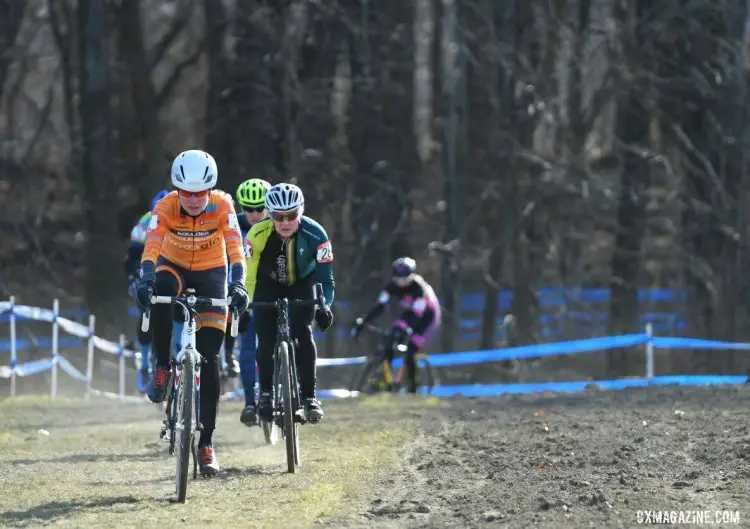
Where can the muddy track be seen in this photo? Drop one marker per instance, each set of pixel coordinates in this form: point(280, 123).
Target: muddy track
point(582, 460)
point(586, 460)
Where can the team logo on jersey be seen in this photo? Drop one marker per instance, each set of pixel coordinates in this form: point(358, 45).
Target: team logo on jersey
point(248, 248)
point(154, 223)
point(325, 253)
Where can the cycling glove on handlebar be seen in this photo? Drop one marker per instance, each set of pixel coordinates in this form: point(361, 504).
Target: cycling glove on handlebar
point(146, 285)
point(324, 317)
point(239, 298)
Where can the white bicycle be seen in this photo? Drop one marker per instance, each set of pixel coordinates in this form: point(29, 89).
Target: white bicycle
point(183, 388)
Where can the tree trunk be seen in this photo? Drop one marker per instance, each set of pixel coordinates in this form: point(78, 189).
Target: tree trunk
point(490, 93)
point(292, 40)
point(255, 102)
point(103, 256)
point(217, 96)
point(732, 140)
point(152, 165)
point(11, 16)
point(692, 108)
point(528, 246)
point(574, 133)
point(632, 131)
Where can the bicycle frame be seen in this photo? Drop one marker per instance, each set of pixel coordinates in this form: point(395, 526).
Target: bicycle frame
point(287, 414)
point(183, 411)
point(190, 360)
point(379, 358)
point(283, 334)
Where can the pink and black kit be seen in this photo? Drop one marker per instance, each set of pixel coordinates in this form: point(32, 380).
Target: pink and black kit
point(418, 321)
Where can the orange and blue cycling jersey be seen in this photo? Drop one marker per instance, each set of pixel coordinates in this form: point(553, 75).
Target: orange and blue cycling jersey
point(195, 250)
point(195, 243)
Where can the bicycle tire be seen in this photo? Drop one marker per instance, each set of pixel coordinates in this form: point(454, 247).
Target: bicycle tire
point(171, 411)
point(286, 395)
point(431, 378)
point(185, 421)
point(362, 376)
point(271, 429)
point(296, 400)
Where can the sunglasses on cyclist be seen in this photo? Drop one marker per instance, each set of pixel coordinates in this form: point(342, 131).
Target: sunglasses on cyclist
point(281, 216)
point(258, 209)
point(190, 194)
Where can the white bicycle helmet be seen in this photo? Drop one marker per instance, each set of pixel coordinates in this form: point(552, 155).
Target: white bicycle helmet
point(194, 171)
point(285, 197)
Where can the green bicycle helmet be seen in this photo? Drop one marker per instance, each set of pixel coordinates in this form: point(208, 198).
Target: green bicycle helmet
point(252, 193)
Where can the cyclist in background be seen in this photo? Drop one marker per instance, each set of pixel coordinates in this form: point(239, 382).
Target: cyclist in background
point(251, 197)
point(132, 267)
point(287, 254)
point(193, 235)
point(418, 321)
point(233, 367)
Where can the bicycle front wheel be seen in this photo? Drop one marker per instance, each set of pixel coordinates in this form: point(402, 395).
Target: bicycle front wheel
point(431, 375)
point(290, 427)
point(184, 427)
point(361, 378)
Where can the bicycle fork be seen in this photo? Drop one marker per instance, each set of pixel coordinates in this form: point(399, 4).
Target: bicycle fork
point(169, 425)
point(276, 399)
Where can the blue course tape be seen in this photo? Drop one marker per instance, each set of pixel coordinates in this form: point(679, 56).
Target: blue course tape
point(42, 341)
point(494, 390)
point(71, 314)
point(33, 368)
point(534, 351)
point(668, 342)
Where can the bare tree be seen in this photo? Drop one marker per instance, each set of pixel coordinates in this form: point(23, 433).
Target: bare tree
point(217, 96)
point(97, 169)
point(255, 102)
point(137, 71)
point(634, 109)
point(11, 16)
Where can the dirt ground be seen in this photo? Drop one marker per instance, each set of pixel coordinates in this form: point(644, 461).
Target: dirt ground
point(598, 459)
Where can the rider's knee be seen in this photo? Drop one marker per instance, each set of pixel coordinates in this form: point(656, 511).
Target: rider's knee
point(208, 341)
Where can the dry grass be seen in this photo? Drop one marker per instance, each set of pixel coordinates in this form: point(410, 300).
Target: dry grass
point(101, 465)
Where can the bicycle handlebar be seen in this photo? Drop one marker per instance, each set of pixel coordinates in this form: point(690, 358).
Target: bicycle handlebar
point(377, 330)
point(191, 301)
point(317, 300)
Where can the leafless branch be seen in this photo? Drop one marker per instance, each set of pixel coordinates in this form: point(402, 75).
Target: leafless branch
point(707, 165)
point(11, 100)
point(41, 123)
point(184, 12)
point(174, 77)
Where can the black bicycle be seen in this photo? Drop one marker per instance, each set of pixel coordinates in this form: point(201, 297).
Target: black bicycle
point(183, 388)
point(287, 402)
point(377, 374)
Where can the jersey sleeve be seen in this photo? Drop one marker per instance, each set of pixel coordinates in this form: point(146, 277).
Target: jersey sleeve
point(382, 301)
point(324, 266)
point(252, 260)
point(233, 237)
point(157, 229)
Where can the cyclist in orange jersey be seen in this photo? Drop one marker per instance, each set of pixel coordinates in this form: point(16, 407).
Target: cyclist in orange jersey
point(192, 231)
